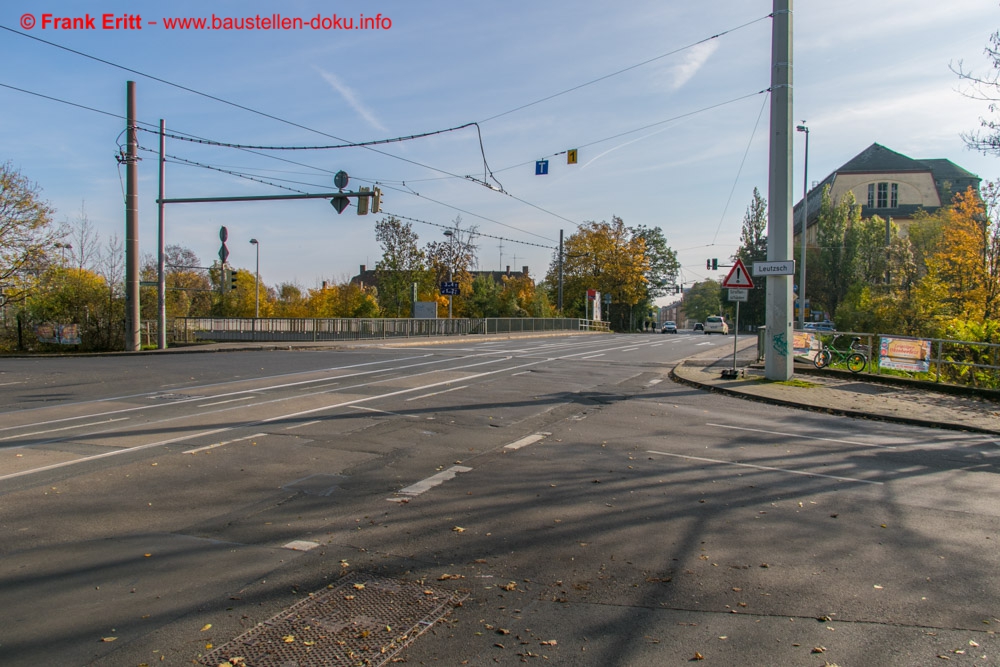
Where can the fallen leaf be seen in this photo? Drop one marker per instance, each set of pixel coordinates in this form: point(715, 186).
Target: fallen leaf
point(698, 656)
point(108, 639)
point(288, 639)
point(458, 529)
point(877, 587)
point(510, 586)
point(359, 587)
point(348, 597)
point(550, 642)
point(819, 649)
point(208, 626)
point(503, 631)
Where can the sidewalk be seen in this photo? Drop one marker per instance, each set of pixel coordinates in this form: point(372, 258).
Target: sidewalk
point(833, 392)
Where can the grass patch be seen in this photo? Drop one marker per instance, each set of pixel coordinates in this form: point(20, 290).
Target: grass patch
point(798, 383)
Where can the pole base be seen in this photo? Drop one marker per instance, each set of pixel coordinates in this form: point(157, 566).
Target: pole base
point(730, 374)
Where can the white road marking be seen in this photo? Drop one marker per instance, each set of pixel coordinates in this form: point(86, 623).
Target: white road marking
point(653, 383)
point(756, 467)
point(443, 391)
point(301, 545)
point(628, 349)
point(521, 373)
point(231, 400)
point(65, 428)
point(656, 344)
point(527, 440)
point(117, 452)
point(220, 444)
point(593, 356)
point(798, 435)
point(384, 412)
point(431, 482)
point(294, 426)
point(5, 384)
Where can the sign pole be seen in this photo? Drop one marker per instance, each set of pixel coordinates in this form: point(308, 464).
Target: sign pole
point(736, 335)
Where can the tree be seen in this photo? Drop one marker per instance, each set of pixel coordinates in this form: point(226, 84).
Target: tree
point(753, 248)
point(830, 275)
point(453, 259)
point(26, 232)
point(702, 300)
point(985, 88)
point(402, 264)
point(610, 258)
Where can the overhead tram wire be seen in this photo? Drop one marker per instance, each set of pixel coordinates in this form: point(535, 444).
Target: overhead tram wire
point(488, 236)
point(739, 172)
point(626, 69)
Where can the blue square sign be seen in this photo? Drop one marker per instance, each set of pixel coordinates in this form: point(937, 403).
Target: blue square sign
point(541, 167)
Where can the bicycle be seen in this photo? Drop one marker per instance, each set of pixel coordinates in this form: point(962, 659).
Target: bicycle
point(855, 357)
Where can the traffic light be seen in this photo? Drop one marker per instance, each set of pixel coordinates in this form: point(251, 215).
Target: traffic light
point(715, 264)
point(363, 201)
point(708, 265)
point(234, 278)
point(377, 200)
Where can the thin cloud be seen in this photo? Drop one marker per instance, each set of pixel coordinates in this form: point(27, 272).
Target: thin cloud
point(693, 60)
point(352, 99)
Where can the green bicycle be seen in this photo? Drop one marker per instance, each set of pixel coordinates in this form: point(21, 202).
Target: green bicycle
point(855, 357)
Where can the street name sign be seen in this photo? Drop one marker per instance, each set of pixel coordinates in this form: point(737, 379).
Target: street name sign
point(780, 268)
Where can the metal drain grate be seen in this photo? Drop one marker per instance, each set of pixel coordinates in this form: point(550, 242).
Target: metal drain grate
point(363, 620)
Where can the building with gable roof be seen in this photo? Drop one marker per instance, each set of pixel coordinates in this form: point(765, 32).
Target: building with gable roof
point(890, 185)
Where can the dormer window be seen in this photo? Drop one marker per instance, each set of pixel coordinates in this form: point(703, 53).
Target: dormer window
point(883, 195)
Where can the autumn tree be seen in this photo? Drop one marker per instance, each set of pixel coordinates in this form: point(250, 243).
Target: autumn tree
point(828, 277)
point(27, 234)
point(610, 258)
point(453, 258)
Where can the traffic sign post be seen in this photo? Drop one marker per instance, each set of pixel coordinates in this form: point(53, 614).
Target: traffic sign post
point(738, 282)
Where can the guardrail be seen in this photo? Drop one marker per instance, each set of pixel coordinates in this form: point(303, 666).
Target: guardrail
point(248, 329)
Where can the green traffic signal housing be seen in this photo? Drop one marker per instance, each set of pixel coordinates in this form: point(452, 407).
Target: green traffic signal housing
point(376, 200)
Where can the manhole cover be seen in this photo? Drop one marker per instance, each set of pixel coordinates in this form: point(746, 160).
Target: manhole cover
point(363, 620)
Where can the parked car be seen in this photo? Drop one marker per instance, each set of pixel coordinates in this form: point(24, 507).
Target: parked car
point(698, 326)
point(715, 324)
point(669, 327)
point(826, 325)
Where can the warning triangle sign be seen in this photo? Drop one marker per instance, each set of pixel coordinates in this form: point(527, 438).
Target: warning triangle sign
point(738, 276)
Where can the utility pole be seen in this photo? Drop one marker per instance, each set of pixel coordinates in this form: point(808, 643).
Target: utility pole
point(161, 280)
point(560, 299)
point(805, 225)
point(778, 356)
point(132, 342)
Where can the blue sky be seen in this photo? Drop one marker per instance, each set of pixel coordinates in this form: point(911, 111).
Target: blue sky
point(864, 72)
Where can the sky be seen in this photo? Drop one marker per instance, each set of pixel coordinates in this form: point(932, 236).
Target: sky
point(664, 100)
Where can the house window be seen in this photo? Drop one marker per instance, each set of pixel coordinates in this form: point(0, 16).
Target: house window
point(883, 195)
point(894, 201)
point(871, 195)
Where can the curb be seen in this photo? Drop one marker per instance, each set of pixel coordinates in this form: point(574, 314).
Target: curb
point(845, 412)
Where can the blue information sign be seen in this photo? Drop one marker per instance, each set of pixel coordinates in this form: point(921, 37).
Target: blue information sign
point(541, 167)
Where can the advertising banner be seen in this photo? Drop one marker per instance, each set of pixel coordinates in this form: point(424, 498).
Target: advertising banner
point(905, 354)
point(805, 344)
point(64, 334)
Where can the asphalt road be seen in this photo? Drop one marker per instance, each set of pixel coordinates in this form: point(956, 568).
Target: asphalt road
point(153, 508)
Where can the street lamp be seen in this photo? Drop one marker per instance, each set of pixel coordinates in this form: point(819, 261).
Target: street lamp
point(451, 261)
point(256, 283)
point(64, 247)
point(805, 222)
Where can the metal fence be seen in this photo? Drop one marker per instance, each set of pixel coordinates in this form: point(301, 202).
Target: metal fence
point(195, 329)
point(956, 362)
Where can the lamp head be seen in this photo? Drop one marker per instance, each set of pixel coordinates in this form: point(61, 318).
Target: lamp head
point(253, 241)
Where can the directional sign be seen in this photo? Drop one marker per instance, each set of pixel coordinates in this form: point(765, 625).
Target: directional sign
point(541, 167)
point(450, 289)
point(784, 268)
point(738, 276)
point(571, 156)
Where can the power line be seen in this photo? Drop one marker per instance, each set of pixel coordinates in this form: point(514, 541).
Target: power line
point(622, 71)
point(489, 236)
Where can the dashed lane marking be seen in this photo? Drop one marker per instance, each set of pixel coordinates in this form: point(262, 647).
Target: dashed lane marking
point(527, 440)
point(428, 484)
point(221, 444)
point(444, 391)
